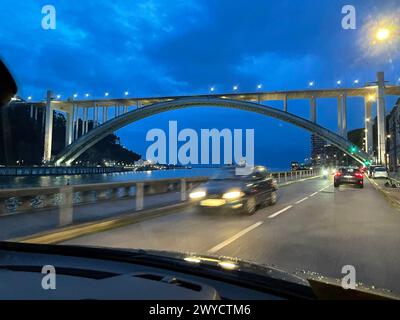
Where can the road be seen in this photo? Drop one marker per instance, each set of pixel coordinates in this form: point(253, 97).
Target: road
point(313, 227)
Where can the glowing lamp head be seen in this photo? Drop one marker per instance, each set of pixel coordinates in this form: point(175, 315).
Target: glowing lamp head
point(382, 34)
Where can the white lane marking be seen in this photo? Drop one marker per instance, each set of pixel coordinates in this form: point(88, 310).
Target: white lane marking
point(325, 187)
point(235, 237)
point(279, 212)
point(300, 201)
point(313, 194)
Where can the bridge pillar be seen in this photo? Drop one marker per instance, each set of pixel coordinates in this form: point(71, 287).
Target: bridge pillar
point(285, 103)
point(97, 108)
point(313, 110)
point(369, 143)
point(48, 129)
point(69, 127)
point(344, 116)
point(106, 117)
point(94, 116)
point(340, 116)
point(85, 124)
point(381, 118)
point(76, 133)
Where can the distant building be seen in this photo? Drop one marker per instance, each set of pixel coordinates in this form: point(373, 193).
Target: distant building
point(317, 149)
point(325, 154)
point(393, 138)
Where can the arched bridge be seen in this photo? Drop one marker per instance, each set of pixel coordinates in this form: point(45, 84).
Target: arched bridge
point(72, 151)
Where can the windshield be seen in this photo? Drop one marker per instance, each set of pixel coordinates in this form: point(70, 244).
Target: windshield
point(228, 174)
point(210, 128)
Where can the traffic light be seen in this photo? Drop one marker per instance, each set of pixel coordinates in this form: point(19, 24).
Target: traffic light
point(353, 149)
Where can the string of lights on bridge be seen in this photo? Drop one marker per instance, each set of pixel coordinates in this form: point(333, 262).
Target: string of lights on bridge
point(212, 89)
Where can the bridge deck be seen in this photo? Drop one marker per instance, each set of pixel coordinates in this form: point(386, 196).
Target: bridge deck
point(249, 96)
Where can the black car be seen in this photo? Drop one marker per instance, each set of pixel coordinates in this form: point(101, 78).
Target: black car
point(349, 176)
point(233, 191)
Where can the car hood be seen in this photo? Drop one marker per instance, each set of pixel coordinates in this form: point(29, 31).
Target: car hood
point(304, 283)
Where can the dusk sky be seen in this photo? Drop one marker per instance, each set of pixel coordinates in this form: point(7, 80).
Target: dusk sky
point(171, 47)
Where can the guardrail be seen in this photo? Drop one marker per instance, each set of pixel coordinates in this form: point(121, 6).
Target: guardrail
point(64, 198)
point(286, 176)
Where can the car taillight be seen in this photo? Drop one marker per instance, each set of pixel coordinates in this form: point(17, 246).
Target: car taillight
point(358, 175)
point(338, 174)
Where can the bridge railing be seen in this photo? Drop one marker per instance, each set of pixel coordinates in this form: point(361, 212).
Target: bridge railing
point(64, 198)
point(287, 176)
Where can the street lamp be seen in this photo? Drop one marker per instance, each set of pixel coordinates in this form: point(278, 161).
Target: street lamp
point(356, 81)
point(235, 88)
point(29, 98)
point(311, 84)
point(106, 94)
point(126, 93)
point(87, 95)
point(382, 34)
point(339, 82)
point(58, 96)
point(259, 86)
point(75, 95)
point(212, 89)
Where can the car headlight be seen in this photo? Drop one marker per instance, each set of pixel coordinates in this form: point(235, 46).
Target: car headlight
point(232, 195)
point(197, 194)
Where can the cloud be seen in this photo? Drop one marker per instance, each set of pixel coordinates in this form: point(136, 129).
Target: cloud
point(281, 72)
